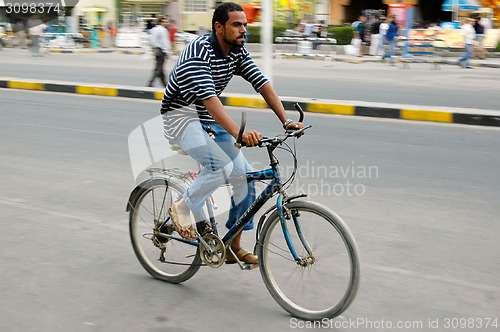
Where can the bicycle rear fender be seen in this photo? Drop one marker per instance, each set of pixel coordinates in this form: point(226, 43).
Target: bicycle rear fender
point(141, 187)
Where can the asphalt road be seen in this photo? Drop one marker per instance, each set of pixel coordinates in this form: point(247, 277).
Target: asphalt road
point(370, 82)
point(425, 220)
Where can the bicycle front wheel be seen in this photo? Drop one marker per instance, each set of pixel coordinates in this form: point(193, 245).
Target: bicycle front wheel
point(165, 259)
point(323, 282)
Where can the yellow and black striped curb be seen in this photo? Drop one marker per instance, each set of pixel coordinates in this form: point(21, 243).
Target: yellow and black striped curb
point(488, 118)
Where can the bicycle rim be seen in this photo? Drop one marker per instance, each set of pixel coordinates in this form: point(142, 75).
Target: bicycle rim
point(327, 284)
point(181, 260)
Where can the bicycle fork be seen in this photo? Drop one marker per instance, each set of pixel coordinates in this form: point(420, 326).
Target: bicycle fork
point(284, 215)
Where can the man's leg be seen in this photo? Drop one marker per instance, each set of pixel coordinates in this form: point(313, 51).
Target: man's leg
point(217, 166)
point(243, 192)
point(467, 54)
point(160, 60)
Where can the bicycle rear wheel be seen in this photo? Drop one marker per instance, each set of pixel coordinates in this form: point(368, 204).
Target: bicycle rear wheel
point(179, 261)
point(324, 282)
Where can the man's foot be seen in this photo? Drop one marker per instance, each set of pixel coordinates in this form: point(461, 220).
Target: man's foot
point(243, 255)
point(182, 221)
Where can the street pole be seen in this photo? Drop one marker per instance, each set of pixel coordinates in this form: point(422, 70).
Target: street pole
point(266, 37)
point(455, 9)
point(409, 25)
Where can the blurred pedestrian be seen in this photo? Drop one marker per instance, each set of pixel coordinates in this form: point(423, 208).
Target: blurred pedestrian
point(323, 29)
point(20, 34)
point(480, 27)
point(390, 38)
point(160, 42)
point(35, 30)
point(110, 34)
point(361, 31)
point(356, 40)
point(172, 30)
point(384, 26)
point(469, 34)
point(486, 22)
point(375, 36)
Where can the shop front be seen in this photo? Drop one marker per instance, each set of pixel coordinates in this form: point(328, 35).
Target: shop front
point(137, 11)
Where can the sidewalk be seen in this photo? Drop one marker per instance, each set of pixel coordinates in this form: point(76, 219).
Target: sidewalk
point(340, 107)
point(451, 58)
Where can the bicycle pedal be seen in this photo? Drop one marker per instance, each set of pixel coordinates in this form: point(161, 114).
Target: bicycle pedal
point(249, 266)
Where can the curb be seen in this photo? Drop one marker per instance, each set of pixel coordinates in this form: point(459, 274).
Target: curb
point(462, 116)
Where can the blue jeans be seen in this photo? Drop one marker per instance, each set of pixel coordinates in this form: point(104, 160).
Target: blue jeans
point(390, 49)
point(467, 55)
point(221, 162)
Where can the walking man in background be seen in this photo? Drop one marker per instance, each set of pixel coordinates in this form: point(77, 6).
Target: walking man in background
point(391, 39)
point(469, 34)
point(36, 28)
point(160, 42)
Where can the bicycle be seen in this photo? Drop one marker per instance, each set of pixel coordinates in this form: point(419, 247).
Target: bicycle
point(310, 241)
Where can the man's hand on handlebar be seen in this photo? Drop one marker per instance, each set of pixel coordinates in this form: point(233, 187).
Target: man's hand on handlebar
point(296, 126)
point(251, 138)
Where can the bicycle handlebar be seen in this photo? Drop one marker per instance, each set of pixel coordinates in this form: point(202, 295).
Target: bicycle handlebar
point(289, 133)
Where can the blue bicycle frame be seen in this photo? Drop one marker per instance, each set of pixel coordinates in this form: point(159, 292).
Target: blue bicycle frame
point(273, 187)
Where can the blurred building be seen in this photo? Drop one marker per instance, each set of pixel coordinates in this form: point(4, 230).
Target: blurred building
point(131, 11)
point(188, 14)
point(91, 13)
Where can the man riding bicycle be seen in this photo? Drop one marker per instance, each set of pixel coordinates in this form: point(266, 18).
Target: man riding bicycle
point(195, 119)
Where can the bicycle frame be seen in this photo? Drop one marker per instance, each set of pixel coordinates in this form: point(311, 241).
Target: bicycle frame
point(275, 185)
point(271, 189)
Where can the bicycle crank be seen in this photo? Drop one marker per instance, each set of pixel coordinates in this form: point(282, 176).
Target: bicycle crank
point(215, 254)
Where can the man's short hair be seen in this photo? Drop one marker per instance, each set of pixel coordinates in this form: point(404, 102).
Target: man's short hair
point(221, 13)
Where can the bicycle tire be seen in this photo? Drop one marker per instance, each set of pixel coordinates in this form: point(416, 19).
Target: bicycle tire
point(293, 286)
point(183, 260)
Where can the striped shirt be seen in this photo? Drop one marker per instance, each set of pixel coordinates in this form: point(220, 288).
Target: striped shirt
point(203, 71)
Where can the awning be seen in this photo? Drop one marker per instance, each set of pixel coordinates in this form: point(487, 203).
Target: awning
point(94, 9)
point(452, 5)
point(251, 12)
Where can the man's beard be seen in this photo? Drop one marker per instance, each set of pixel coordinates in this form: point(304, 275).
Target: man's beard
point(235, 41)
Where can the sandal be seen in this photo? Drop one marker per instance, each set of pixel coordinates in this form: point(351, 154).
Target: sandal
point(243, 255)
point(185, 231)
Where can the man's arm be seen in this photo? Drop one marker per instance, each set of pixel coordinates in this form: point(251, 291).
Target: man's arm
point(219, 114)
point(272, 99)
